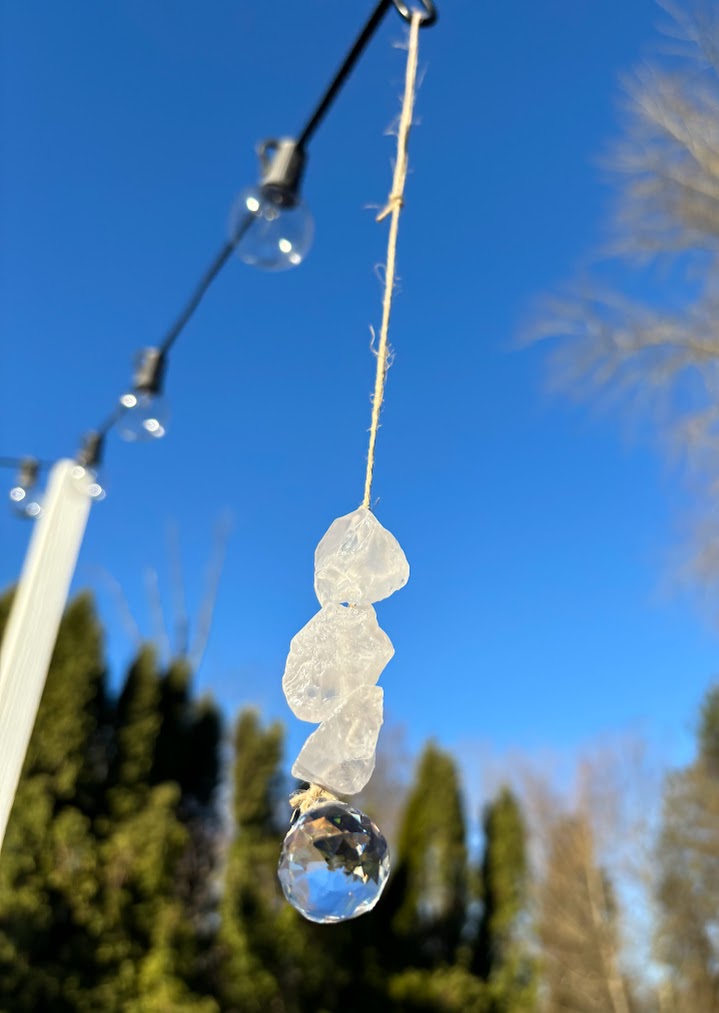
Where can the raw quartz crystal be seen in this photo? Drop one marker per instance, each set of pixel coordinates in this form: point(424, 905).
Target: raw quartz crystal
point(341, 648)
point(334, 863)
point(340, 754)
point(358, 561)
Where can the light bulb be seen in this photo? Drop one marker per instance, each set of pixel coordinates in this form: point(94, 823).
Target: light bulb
point(24, 504)
point(145, 417)
point(280, 231)
point(23, 497)
point(91, 480)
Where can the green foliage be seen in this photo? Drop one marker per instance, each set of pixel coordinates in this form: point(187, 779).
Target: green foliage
point(49, 880)
point(93, 914)
point(449, 990)
point(501, 957)
point(427, 898)
point(249, 936)
point(269, 957)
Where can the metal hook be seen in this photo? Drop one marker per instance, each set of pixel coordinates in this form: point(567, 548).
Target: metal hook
point(428, 18)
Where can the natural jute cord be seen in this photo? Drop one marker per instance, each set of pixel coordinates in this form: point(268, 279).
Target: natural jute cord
point(393, 209)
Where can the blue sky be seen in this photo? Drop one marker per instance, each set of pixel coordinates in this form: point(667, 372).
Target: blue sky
point(536, 533)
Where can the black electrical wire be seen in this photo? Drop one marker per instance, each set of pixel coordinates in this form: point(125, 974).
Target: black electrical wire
point(17, 462)
point(202, 286)
point(344, 72)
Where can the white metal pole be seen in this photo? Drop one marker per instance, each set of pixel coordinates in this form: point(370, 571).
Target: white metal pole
point(35, 616)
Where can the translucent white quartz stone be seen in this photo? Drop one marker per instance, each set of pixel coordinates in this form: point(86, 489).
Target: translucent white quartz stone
point(340, 649)
point(340, 754)
point(358, 561)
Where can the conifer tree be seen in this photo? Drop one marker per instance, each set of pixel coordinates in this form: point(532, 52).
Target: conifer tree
point(270, 958)
point(428, 895)
point(187, 747)
point(500, 953)
point(99, 880)
point(49, 866)
point(427, 903)
point(149, 943)
point(188, 754)
point(251, 910)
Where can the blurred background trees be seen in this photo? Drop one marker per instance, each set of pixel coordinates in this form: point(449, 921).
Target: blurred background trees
point(131, 880)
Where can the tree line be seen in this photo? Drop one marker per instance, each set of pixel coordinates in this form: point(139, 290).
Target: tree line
point(126, 884)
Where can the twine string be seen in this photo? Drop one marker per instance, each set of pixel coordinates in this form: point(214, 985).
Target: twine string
point(392, 210)
point(304, 800)
point(307, 798)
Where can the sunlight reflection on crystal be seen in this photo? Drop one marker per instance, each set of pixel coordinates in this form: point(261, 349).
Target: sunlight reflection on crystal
point(334, 863)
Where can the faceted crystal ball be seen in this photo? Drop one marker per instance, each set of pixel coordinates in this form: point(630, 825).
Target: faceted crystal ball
point(334, 863)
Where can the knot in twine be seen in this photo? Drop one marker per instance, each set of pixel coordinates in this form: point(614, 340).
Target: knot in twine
point(395, 200)
point(307, 798)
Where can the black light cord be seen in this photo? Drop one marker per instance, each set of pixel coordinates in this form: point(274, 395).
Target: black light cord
point(343, 73)
point(202, 286)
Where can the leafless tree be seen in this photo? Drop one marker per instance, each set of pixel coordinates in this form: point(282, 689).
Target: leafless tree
point(593, 846)
point(655, 338)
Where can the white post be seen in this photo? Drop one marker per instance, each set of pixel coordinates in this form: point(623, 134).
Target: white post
point(35, 616)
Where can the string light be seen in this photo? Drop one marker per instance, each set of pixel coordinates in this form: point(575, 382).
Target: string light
point(146, 413)
point(270, 228)
point(282, 227)
point(22, 500)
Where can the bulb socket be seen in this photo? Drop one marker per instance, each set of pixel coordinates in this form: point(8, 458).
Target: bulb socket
point(150, 371)
point(282, 162)
point(90, 453)
point(28, 472)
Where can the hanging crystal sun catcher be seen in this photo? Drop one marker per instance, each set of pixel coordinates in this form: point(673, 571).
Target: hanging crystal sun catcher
point(335, 861)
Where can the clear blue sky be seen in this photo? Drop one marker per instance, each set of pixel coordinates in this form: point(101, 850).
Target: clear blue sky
point(535, 533)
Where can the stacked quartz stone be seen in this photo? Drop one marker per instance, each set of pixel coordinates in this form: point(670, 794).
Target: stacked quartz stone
point(336, 659)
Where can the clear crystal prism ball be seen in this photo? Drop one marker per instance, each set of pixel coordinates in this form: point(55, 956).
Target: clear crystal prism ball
point(334, 863)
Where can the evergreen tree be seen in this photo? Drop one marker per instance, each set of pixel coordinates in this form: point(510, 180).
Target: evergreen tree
point(148, 944)
point(187, 747)
point(427, 903)
point(252, 915)
point(137, 727)
point(270, 958)
point(688, 891)
point(500, 956)
point(49, 867)
point(428, 895)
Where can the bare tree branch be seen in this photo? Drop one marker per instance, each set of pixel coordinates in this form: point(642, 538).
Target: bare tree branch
point(181, 622)
point(160, 636)
point(223, 530)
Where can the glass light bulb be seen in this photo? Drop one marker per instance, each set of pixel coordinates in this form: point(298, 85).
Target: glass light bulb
point(24, 503)
point(280, 234)
point(145, 417)
point(91, 480)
